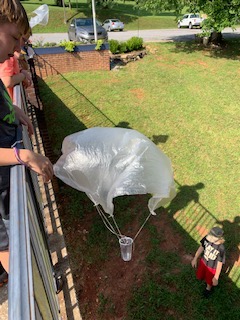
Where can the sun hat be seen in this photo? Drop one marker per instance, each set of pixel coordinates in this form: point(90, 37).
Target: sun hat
point(215, 234)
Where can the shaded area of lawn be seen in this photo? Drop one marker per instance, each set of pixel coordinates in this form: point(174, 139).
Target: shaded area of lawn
point(125, 11)
point(188, 100)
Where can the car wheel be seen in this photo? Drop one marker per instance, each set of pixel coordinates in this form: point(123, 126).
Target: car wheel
point(179, 25)
point(190, 25)
point(120, 29)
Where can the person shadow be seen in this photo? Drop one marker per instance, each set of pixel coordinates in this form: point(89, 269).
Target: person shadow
point(232, 241)
point(185, 195)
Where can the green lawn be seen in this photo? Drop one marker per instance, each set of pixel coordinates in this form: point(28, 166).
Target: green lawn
point(132, 18)
point(186, 99)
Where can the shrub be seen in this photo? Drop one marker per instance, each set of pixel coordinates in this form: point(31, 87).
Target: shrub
point(50, 44)
point(114, 46)
point(134, 43)
point(99, 44)
point(68, 45)
point(122, 47)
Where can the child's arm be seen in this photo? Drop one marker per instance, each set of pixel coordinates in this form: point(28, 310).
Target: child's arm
point(217, 274)
point(24, 119)
point(34, 161)
point(197, 255)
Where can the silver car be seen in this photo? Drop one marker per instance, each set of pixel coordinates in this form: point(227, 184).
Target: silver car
point(81, 29)
point(113, 24)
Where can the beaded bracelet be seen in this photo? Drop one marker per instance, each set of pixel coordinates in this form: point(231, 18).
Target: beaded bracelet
point(16, 153)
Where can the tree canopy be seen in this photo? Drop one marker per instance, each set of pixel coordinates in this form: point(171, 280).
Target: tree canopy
point(220, 13)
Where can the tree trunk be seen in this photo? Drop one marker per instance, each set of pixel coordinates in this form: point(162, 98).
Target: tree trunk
point(216, 38)
point(59, 3)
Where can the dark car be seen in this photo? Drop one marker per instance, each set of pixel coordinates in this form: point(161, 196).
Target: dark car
point(81, 29)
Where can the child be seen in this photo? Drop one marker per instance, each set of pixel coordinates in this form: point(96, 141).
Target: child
point(13, 24)
point(11, 71)
point(213, 258)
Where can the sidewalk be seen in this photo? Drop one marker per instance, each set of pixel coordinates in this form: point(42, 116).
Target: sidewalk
point(4, 302)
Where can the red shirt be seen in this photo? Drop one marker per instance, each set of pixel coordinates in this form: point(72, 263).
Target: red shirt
point(8, 69)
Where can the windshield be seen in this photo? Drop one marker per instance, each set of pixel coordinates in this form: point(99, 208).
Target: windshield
point(86, 22)
point(194, 16)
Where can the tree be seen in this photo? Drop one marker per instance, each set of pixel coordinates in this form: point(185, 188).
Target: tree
point(104, 4)
point(59, 3)
point(162, 5)
point(220, 13)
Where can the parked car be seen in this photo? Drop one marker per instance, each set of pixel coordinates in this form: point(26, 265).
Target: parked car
point(81, 29)
point(113, 24)
point(190, 20)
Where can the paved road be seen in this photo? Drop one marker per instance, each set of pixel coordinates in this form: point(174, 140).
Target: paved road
point(147, 35)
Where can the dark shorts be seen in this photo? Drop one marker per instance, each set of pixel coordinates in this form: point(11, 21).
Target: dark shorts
point(205, 273)
point(4, 214)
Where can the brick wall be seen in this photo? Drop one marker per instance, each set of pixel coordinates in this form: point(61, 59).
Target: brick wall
point(51, 61)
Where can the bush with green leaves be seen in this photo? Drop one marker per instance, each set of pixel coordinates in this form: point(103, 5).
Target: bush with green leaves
point(123, 47)
point(99, 44)
point(114, 46)
point(68, 45)
point(134, 43)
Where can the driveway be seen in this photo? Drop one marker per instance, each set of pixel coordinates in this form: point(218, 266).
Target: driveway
point(147, 35)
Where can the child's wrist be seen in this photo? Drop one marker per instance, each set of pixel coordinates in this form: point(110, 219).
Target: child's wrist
point(17, 156)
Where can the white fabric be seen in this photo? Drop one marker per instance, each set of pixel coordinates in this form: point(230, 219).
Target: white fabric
point(109, 162)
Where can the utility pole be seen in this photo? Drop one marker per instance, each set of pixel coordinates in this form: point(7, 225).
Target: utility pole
point(94, 20)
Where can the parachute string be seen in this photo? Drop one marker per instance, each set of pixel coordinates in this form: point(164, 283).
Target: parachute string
point(107, 223)
point(120, 233)
point(110, 227)
point(105, 220)
point(142, 226)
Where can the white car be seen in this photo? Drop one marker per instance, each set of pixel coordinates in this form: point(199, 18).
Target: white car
point(113, 24)
point(190, 20)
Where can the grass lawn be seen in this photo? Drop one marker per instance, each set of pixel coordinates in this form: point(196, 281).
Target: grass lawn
point(186, 99)
point(132, 18)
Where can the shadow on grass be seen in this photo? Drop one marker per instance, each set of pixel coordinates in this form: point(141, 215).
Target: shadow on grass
point(126, 12)
point(170, 287)
point(88, 115)
point(229, 50)
point(197, 220)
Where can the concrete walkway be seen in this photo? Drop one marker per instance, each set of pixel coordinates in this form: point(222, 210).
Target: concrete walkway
point(4, 302)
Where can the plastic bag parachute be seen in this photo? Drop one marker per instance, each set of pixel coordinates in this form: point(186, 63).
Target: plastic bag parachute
point(109, 162)
point(41, 17)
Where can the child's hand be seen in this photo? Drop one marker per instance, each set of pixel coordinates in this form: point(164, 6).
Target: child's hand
point(38, 163)
point(194, 262)
point(24, 119)
point(215, 281)
point(27, 82)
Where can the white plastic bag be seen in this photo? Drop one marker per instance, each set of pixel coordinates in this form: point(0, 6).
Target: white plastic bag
point(42, 15)
point(109, 162)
